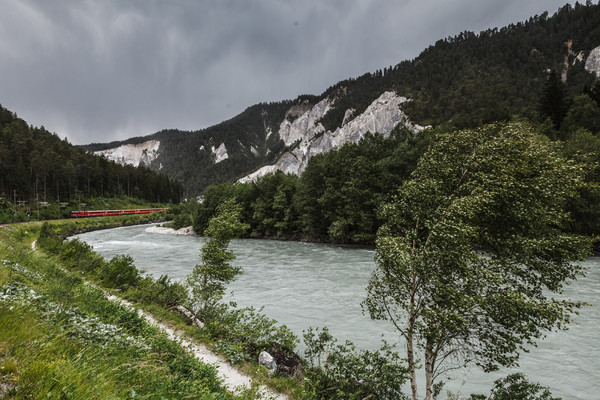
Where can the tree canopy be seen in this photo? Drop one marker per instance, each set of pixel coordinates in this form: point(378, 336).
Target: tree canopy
point(35, 163)
point(472, 249)
point(207, 281)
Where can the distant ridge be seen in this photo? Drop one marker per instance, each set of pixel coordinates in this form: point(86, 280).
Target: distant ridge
point(462, 81)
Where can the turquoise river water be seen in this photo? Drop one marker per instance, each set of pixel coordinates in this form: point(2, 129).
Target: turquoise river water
point(307, 284)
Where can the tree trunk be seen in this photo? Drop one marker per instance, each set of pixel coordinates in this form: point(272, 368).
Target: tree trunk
point(410, 355)
point(410, 352)
point(429, 363)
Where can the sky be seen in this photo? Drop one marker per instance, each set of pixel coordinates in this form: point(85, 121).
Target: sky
point(96, 71)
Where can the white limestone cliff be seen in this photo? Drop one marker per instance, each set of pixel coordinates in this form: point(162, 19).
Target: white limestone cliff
point(220, 153)
point(592, 64)
point(133, 154)
point(306, 137)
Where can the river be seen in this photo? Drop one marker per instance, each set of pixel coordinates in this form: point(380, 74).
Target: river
point(307, 284)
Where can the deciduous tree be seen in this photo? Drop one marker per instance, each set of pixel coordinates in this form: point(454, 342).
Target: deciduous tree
point(472, 251)
point(207, 281)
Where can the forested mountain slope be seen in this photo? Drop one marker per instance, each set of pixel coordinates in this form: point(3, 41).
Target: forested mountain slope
point(36, 164)
point(460, 82)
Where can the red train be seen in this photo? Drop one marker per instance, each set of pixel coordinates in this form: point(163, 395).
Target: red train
point(103, 213)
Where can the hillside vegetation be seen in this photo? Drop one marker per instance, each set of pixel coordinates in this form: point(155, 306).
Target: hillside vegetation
point(462, 81)
point(36, 165)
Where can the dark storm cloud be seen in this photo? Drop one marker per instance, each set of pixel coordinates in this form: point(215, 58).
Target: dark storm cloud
point(103, 70)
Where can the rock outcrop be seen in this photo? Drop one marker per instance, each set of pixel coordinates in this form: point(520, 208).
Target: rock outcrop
point(592, 64)
point(220, 153)
point(267, 360)
point(305, 136)
point(133, 154)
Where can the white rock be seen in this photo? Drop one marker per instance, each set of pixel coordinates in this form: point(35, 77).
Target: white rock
point(133, 153)
point(307, 137)
point(267, 360)
point(220, 153)
point(592, 64)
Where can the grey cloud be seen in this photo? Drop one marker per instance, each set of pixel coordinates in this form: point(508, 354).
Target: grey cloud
point(102, 70)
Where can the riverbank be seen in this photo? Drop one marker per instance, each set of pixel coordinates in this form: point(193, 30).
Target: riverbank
point(21, 294)
point(302, 285)
point(61, 338)
point(238, 334)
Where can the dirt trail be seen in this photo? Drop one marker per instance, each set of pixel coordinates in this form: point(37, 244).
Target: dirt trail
point(235, 380)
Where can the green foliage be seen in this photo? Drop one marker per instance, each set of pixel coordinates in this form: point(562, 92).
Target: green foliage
point(207, 281)
point(180, 215)
point(340, 191)
point(472, 249)
point(345, 373)
point(515, 386)
point(36, 165)
point(79, 255)
point(48, 239)
point(584, 147)
point(61, 338)
point(336, 197)
point(584, 113)
point(120, 273)
point(159, 291)
point(233, 354)
point(554, 103)
point(251, 329)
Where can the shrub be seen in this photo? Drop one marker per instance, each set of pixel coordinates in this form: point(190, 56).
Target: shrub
point(159, 291)
point(120, 273)
point(342, 372)
point(516, 386)
point(48, 238)
point(253, 330)
point(232, 353)
point(81, 256)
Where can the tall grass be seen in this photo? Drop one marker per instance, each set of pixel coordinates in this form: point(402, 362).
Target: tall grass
point(61, 339)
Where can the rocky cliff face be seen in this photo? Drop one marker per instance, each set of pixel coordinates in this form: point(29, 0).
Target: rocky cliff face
point(305, 136)
point(133, 154)
point(592, 64)
point(220, 153)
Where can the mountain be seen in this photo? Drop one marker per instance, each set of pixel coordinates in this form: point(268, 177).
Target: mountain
point(461, 81)
point(37, 165)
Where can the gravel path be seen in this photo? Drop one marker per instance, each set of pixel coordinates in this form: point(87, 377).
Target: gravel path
point(235, 380)
point(232, 378)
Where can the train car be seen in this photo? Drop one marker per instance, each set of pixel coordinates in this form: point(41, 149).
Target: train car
point(104, 213)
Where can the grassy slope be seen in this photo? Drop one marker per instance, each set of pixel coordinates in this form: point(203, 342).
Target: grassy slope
point(60, 338)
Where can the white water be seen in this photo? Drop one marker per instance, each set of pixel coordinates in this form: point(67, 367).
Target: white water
point(307, 284)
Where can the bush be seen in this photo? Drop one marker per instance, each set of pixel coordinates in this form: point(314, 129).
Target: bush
point(159, 291)
point(81, 256)
point(253, 330)
point(342, 372)
point(232, 353)
point(516, 386)
point(120, 273)
point(48, 238)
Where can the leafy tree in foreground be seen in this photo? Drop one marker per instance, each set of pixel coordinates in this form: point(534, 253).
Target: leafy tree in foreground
point(516, 386)
point(207, 281)
point(472, 249)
